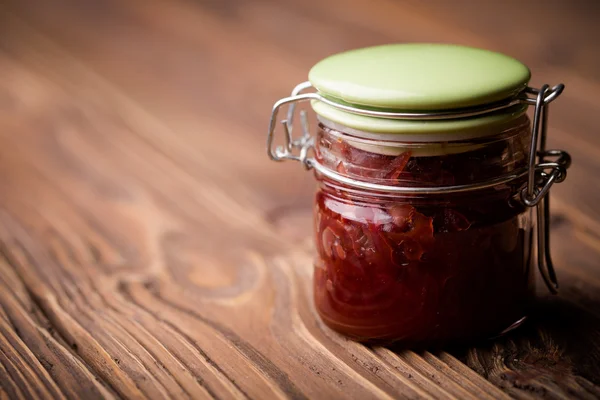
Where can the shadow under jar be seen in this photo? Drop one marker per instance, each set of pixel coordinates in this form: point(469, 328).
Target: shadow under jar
point(423, 223)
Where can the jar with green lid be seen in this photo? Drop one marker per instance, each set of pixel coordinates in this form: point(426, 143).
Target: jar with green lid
point(428, 171)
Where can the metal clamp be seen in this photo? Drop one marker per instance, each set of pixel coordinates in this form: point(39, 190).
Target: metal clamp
point(540, 176)
point(305, 142)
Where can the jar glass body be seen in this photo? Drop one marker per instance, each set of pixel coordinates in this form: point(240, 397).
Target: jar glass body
point(422, 268)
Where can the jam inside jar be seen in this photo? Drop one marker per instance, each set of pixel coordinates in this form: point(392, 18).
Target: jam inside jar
point(422, 268)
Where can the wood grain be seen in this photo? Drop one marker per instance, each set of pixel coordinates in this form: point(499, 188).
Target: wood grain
point(148, 248)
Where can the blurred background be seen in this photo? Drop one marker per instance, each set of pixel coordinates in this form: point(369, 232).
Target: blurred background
point(195, 81)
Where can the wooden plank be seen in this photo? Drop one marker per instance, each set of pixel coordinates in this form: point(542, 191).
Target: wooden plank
point(150, 250)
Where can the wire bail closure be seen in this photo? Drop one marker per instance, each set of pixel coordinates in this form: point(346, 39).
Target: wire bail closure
point(551, 166)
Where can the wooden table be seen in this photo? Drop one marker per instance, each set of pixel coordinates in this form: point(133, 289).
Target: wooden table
point(150, 249)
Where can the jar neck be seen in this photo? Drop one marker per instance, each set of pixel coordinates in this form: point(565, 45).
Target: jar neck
point(401, 160)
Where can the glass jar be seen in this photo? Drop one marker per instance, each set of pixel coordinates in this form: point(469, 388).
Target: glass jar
point(423, 224)
point(422, 268)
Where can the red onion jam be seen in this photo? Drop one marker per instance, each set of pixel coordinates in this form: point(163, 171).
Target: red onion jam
point(422, 268)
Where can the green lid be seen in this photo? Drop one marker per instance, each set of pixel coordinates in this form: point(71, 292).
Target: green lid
point(419, 76)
